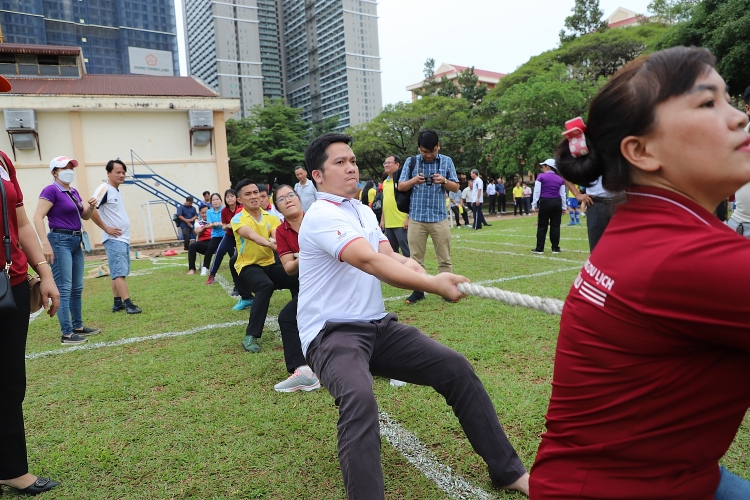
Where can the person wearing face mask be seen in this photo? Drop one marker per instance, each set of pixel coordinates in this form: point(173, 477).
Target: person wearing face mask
point(64, 209)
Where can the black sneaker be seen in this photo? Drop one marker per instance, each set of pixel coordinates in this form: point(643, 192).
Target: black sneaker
point(536, 250)
point(556, 250)
point(415, 297)
point(85, 331)
point(73, 339)
point(132, 309)
point(121, 307)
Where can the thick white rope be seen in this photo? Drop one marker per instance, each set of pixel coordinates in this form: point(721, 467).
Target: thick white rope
point(549, 306)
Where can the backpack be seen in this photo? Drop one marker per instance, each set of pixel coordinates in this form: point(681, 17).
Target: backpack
point(377, 203)
point(403, 198)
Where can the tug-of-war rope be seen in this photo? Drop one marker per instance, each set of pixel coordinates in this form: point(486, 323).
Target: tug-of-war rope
point(549, 306)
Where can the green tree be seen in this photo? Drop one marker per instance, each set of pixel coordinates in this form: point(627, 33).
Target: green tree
point(267, 144)
point(431, 85)
point(395, 130)
point(587, 17)
point(529, 119)
point(590, 56)
point(324, 127)
point(722, 26)
point(670, 12)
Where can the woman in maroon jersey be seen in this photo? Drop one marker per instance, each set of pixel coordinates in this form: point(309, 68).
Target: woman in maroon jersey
point(652, 373)
point(14, 325)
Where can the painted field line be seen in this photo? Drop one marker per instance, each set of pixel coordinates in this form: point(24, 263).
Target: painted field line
point(131, 340)
point(476, 234)
point(463, 240)
point(427, 463)
point(536, 256)
point(228, 287)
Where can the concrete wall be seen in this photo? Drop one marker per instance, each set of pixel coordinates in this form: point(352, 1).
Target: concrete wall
point(160, 138)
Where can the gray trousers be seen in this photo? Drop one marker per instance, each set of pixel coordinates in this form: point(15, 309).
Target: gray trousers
point(597, 218)
point(398, 237)
point(345, 356)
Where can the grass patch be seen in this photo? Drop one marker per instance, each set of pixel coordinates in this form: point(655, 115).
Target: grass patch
point(196, 417)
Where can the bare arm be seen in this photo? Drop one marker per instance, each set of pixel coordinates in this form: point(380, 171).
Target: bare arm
point(583, 198)
point(34, 255)
point(388, 269)
point(112, 231)
point(290, 263)
point(42, 208)
point(251, 235)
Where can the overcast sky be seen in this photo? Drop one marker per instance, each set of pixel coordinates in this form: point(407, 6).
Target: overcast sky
point(495, 35)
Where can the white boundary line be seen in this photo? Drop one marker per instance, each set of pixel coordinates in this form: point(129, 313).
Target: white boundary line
point(131, 340)
point(477, 235)
point(463, 240)
point(536, 256)
point(402, 440)
point(427, 463)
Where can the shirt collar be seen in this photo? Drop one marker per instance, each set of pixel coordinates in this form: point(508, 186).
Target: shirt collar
point(336, 200)
point(60, 186)
point(647, 194)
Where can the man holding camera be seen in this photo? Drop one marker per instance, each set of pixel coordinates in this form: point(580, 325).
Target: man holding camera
point(429, 175)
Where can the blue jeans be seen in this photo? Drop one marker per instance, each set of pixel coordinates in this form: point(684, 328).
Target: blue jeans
point(227, 244)
point(731, 486)
point(67, 268)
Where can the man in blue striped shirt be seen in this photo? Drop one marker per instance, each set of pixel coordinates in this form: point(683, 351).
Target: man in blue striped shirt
point(429, 175)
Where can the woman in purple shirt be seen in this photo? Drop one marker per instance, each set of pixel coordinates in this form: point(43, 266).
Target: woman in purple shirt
point(64, 209)
point(549, 197)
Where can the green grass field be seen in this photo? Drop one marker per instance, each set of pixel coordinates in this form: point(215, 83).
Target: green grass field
point(194, 416)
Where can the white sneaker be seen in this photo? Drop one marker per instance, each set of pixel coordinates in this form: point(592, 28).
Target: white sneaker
point(397, 383)
point(204, 271)
point(298, 382)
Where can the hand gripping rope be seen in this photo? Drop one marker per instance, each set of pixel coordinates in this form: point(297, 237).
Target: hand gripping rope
point(549, 306)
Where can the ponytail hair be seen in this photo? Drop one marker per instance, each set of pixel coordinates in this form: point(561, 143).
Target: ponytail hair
point(626, 106)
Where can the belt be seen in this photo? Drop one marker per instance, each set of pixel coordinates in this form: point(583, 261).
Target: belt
point(66, 231)
point(597, 199)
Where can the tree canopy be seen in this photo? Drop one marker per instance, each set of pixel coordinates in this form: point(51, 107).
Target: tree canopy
point(722, 26)
point(268, 143)
point(528, 118)
point(586, 18)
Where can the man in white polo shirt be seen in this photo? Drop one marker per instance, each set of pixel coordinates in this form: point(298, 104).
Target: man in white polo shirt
point(347, 336)
point(115, 224)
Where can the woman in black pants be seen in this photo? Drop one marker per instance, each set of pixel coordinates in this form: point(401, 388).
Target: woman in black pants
point(14, 470)
point(302, 377)
point(203, 239)
point(549, 197)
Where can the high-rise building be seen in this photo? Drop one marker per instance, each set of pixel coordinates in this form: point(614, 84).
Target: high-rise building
point(322, 56)
point(332, 56)
point(117, 36)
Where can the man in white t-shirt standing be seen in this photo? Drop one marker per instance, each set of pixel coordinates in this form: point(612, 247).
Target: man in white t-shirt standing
point(477, 194)
point(115, 224)
point(347, 336)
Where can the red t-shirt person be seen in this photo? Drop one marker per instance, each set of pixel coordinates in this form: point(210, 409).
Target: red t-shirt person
point(652, 370)
point(13, 199)
point(287, 239)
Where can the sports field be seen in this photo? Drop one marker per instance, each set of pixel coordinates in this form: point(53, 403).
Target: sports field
point(167, 405)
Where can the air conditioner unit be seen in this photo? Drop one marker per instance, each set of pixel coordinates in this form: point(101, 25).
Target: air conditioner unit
point(201, 128)
point(20, 119)
point(22, 129)
point(197, 118)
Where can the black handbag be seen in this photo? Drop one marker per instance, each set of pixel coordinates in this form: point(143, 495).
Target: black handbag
point(403, 198)
point(7, 302)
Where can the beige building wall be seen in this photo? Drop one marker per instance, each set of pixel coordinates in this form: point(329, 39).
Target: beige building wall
point(160, 138)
